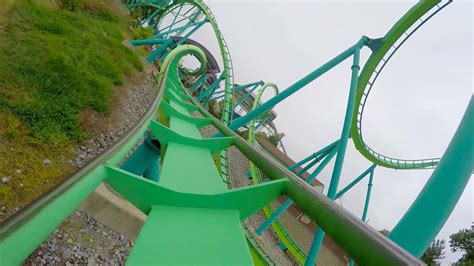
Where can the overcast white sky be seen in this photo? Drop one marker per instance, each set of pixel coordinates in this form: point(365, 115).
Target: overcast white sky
point(412, 113)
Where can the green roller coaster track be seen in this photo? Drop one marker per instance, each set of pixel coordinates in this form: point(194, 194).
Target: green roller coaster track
point(196, 218)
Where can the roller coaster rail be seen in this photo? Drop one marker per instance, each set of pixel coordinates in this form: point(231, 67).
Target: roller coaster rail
point(174, 179)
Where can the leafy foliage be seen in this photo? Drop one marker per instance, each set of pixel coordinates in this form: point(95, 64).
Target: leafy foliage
point(434, 254)
point(274, 139)
point(385, 232)
point(463, 241)
point(140, 33)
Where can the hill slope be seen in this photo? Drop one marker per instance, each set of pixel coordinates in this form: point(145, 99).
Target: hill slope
point(55, 61)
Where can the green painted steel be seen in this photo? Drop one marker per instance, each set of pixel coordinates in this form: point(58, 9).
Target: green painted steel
point(378, 57)
point(367, 197)
point(242, 121)
point(195, 198)
point(228, 71)
point(144, 161)
point(327, 158)
point(341, 150)
point(190, 205)
point(278, 227)
point(356, 180)
point(362, 242)
point(25, 231)
point(427, 215)
point(345, 229)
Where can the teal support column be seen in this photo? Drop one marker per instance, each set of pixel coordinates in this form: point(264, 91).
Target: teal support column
point(144, 161)
point(211, 89)
point(241, 88)
point(311, 164)
point(237, 123)
point(261, 122)
point(314, 158)
point(152, 16)
point(245, 96)
point(179, 30)
point(288, 202)
point(428, 213)
point(336, 173)
point(147, 42)
point(367, 197)
point(357, 180)
point(314, 155)
point(161, 49)
point(200, 82)
point(185, 37)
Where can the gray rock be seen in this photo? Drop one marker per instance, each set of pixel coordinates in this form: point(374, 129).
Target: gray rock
point(19, 171)
point(82, 155)
point(102, 142)
point(47, 162)
point(5, 180)
point(67, 253)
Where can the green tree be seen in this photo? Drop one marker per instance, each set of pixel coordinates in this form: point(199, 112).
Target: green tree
point(274, 139)
point(384, 232)
point(463, 241)
point(434, 254)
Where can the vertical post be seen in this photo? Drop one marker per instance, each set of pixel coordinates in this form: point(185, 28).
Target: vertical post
point(367, 197)
point(144, 161)
point(336, 173)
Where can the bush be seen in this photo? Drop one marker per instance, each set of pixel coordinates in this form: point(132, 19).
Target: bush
point(142, 33)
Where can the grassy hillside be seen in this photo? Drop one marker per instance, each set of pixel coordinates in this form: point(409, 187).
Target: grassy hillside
point(56, 58)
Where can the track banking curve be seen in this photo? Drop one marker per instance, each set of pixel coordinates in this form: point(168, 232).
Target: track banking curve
point(383, 50)
point(227, 71)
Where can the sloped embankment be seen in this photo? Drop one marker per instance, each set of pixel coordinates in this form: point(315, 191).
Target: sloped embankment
point(58, 63)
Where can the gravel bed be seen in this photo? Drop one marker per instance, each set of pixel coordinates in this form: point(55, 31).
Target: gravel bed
point(81, 240)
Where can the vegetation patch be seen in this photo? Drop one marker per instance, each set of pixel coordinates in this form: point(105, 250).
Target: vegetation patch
point(54, 62)
point(31, 167)
point(57, 58)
